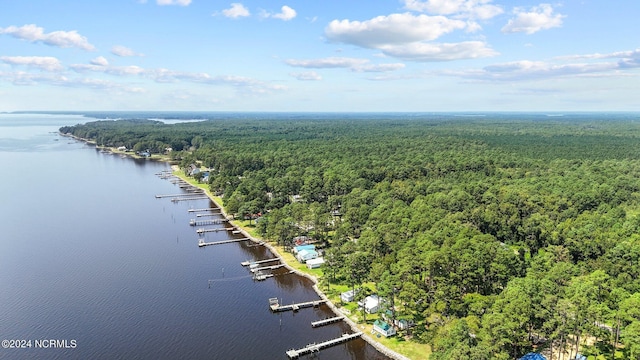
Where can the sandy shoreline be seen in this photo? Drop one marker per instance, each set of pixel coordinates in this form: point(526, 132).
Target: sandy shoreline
point(354, 327)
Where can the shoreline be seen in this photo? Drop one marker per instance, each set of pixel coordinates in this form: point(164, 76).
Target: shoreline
point(354, 327)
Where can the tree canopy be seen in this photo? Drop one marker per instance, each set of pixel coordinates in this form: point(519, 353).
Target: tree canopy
point(495, 234)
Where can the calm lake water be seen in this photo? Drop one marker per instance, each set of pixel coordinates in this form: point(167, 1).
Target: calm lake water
point(90, 258)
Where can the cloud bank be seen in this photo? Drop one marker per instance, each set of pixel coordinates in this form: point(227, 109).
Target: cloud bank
point(62, 39)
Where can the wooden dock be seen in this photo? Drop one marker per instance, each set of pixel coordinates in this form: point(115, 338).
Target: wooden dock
point(313, 348)
point(175, 195)
point(194, 222)
point(275, 306)
point(260, 276)
point(202, 231)
point(273, 267)
point(176, 199)
point(248, 263)
point(207, 215)
point(327, 321)
point(202, 243)
point(201, 210)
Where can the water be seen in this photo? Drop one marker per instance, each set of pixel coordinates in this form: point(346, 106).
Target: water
point(89, 257)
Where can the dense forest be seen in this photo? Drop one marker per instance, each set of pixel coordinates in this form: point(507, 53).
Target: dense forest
point(495, 234)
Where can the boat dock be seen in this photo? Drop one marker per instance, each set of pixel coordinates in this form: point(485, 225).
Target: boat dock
point(312, 348)
point(247, 263)
point(327, 321)
point(260, 276)
point(176, 199)
point(202, 231)
point(174, 195)
point(207, 215)
point(257, 269)
point(275, 306)
point(201, 210)
point(194, 222)
point(202, 243)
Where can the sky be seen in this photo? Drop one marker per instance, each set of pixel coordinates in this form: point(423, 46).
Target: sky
point(310, 56)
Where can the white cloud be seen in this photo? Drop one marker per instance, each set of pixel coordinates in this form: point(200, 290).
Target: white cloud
point(22, 78)
point(236, 10)
point(327, 63)
point(392, 29)
point(379, 67)
point(46, 63)
point(475, 9)
point(354, 64)
point(440, 52)
point(535, 70)
point(162, 75)
point(286, 14)
point(539, 18)
point(173, 2)
point(63, 39)
point(100, 61)
point(123, 51)
point(307, 76)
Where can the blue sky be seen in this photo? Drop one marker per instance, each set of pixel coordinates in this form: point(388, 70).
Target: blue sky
point(393, 55)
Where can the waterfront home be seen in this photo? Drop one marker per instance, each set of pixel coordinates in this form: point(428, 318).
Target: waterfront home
point(383, 328)
point(315, 263)
point(370, 304)
point(348, 296)
point(122, 148)
point(304, 255)
point(297, 249)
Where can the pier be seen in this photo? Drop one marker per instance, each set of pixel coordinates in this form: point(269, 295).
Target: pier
point(194, 222)
point(176, 199)
point(173, 195)
point(273, 267)
point(327, 321)
point(276, 307)
point(202, 243)
point(202, 231)
point(248, 263)
point(260, 276)
point(312, 348)
point(207, 215)
point(201, 210)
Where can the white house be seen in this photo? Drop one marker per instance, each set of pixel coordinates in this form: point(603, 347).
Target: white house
point(371, 304)
point(348, 296)
point(315, 263)
point(383, 328)
point(304, 255)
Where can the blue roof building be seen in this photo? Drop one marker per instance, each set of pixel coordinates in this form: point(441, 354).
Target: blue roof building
point(533, 356)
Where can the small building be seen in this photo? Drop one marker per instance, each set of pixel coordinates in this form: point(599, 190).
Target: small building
point(383, 328)
point(122, 148)
point(315, 263)
point(348, 296)
point(297, 249)
point(305, 255)
point(370, 304)
point(535, 356)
